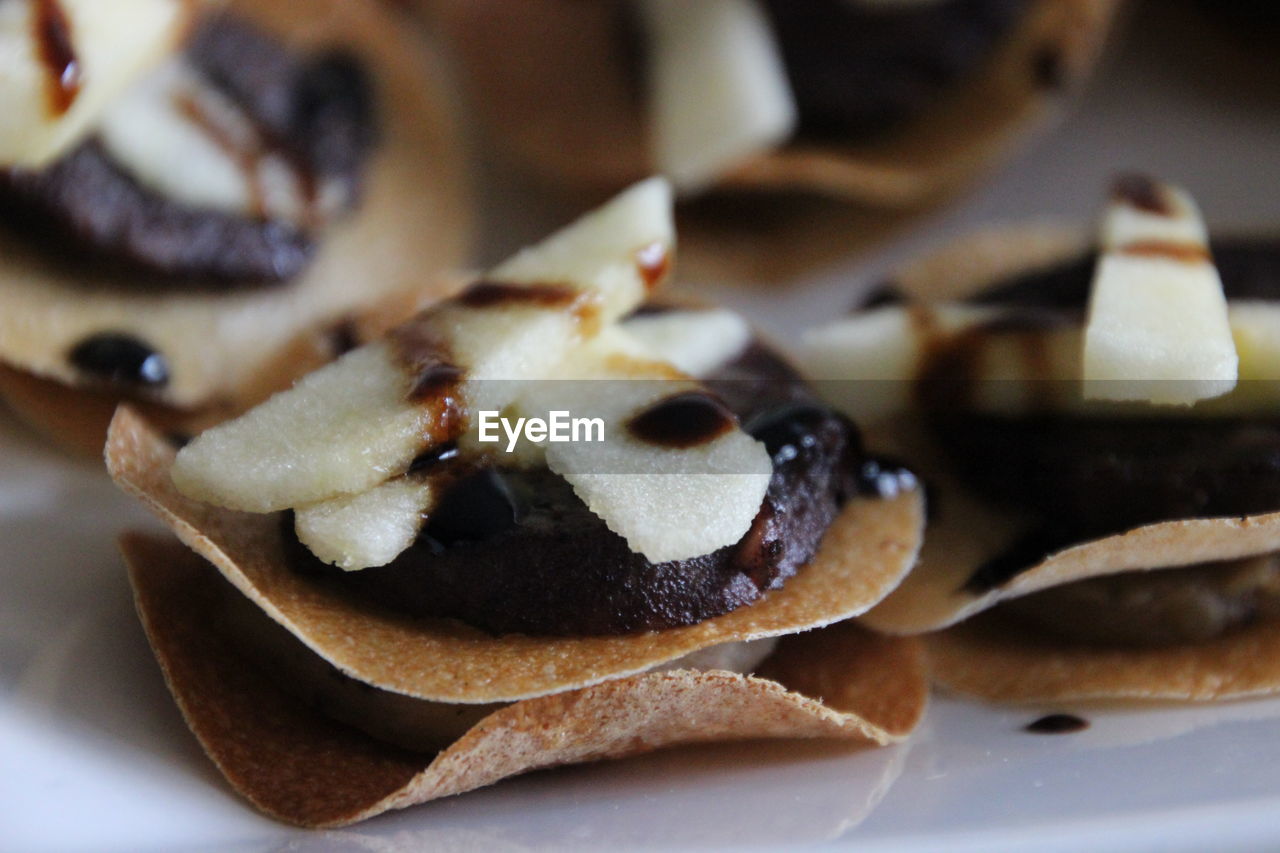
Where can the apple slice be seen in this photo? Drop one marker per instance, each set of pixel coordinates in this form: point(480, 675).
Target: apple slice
point(867, 364)
point(675, 476)
point(361, 420)
point(1157, 330)
point(718, 87)
point(694, 341)
point(344, 428)
point(54, 88)
point(623, 250)
point(367, 529)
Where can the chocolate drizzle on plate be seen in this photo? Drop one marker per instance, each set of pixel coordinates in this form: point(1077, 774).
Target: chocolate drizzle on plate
point(56, 46)
point(1057, 724)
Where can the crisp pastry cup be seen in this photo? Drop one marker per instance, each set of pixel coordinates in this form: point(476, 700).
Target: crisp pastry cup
point(979, 654)
point(556, 700)
point(560, 107)
point(560, 102)
point(225, 351)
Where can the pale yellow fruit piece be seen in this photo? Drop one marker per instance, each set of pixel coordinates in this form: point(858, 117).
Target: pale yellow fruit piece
point(367, 529)
point(351, 425)
point(718, 88)
point(669, 503)
point(605, 250)
point(342, 429)
point(1157, 329)
point(866, 364)
point(695, 342)
point(114, 43)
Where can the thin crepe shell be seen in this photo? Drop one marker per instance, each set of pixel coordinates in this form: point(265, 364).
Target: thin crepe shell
point(561, 105)
point(298, 766)
point(990, 660)
point(413, 220)
point(864, 554)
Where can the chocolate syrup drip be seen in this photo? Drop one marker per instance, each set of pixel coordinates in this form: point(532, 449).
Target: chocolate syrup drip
point(861, 71)
point(58, 53)
point(1183, 253)
point(496, 294)
point(120, 359)
point(1144, 193)
point(653, 263)
point(683, 421)
point(435, 457)
point(1057, 724)
point(437, 380)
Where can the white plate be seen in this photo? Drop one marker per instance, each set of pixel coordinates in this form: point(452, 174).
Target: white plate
point(94, 756)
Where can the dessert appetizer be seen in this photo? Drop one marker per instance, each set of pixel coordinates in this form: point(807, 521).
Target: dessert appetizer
point(423, 611)
point(1101, 421)
point(882, 102)
point(199, 203)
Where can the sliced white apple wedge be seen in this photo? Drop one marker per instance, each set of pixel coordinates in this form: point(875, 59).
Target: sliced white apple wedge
point(362, 419)
point(718, 88)
point(367, 529)
point(63, 64)
point(867, 363)
point(1157, 330)
point(344, 428)
point(623, 250)
point(693, 341)
point(675, 476)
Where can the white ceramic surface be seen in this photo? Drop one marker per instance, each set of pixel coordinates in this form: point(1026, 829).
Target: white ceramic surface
point(93, 754)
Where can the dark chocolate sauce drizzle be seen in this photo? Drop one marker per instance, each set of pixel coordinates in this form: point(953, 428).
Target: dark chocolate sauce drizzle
point(437, 380)
point(682, 421)
point(653, 262)
point(496, 294)
point(1143, 192)
point(120, 359)
point(1057, 724)
point(58, 53)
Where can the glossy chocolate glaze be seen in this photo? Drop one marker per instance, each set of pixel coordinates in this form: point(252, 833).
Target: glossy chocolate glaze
point(517, 551)
point(682, 421)
point(1094, 476)
point(859, 72)
point(1057, 724)
point(318, 113)
point(121, 360)
point(58, 53)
